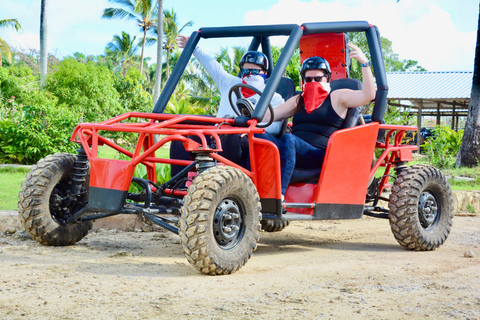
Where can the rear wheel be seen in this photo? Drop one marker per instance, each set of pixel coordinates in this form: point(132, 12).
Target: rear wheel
point(220, 221)
point(421, 208)
point(47, 201)
point(270, 225)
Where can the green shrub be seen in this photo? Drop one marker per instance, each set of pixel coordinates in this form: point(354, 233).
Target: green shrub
point(35, 129)
point(87, 88)
point(16, 82)
point(442, 149)
point(132, 95)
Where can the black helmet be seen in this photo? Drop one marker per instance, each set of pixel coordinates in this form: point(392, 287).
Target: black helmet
point(314, 63)
point(255, 57)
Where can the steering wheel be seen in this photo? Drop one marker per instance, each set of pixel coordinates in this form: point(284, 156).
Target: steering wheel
point(243, 106)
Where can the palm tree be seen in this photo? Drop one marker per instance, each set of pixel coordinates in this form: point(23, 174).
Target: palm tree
point(158, 70)
point(171, 32)
point(143, 11)
point(123, 49)
point(4, 48)
point(43, 43)
point(469, 154)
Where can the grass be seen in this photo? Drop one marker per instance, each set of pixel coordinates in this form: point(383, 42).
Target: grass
point(12, 178)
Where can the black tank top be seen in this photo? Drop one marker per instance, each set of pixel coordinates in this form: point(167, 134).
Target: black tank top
point(317, 126)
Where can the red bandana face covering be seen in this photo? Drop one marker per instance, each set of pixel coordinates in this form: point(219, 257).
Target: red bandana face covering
point(247, 93)
point(313, 94)
point(257, 82)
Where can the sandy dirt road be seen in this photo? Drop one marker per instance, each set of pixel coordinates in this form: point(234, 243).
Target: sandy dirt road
point(316, 270)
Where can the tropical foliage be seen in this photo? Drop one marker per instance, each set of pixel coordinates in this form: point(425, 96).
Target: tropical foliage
point(4, 48)
point(442, 150)
point(143, 12)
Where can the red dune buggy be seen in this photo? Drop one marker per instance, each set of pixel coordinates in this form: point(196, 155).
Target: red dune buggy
point(220, 215)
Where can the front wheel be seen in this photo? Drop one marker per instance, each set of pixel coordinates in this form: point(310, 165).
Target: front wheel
point(220, 221)
point(47, 200)
point(421, 208)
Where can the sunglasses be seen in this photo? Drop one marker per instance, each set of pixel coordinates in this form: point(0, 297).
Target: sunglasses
point(253, 72)
point(316, 79)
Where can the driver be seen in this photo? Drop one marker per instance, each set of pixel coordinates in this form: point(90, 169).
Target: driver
point(253, 71)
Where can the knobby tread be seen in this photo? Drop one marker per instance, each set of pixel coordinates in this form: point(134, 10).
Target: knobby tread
point(34, 198)
point(403, 207)
point(269, 225)
point(196, 221)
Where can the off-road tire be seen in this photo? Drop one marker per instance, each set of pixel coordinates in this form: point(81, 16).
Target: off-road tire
point(49, 173)
point(270, 225)
point(421, 208)
point(211, 205)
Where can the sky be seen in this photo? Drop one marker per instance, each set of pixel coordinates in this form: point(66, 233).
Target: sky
point(439, 34)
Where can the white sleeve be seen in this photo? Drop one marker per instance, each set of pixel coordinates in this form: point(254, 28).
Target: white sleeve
point(223, 80)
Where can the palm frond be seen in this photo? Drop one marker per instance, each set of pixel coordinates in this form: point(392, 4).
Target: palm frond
point(13, 23)
point(5, 49)
point(117, 13)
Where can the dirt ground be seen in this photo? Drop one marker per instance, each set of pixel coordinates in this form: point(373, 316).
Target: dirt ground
point(312, 270)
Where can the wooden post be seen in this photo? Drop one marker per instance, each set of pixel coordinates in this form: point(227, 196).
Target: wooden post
point(438, 113)
point(419, 125)
point(453, 116)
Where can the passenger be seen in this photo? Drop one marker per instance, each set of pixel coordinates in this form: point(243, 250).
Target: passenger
point(253, 70)
point(317, 113)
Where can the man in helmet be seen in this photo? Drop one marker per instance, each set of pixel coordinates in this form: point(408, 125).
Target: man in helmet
point(253, 72)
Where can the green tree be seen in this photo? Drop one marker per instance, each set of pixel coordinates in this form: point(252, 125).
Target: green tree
point(123, 49)
point(171, 32)
point(293, 68)
point(4, 48)
point(87, 88)
point(392, 60)
point(143, 11)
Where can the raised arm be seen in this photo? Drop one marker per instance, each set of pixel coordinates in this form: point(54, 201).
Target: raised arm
point(347, 98)
point(222, 79)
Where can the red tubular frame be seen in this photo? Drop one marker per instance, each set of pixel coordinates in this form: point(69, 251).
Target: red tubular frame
point(87, 134)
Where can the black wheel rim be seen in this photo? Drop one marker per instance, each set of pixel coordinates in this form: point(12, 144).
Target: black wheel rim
point(428, 210)
point(63, 204)
point(228, 223)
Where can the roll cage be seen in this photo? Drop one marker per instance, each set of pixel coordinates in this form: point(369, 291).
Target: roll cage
point(261, 37)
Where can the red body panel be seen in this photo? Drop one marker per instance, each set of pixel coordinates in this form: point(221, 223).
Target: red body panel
point(347, 165)
point(111, 174)
point(301, 193)
point(265, 160)
point(330, 46)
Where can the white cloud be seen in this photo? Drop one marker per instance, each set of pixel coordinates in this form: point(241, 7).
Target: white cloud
point(419, 31)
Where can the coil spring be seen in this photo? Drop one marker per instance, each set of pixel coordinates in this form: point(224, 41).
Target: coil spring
point(402, 165)
point(80, 170)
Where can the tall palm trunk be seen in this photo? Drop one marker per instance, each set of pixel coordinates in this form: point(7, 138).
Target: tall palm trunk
point(469, 154)
point(158, 76)
point(143, 50)
point(43, 43)
point(167, 63)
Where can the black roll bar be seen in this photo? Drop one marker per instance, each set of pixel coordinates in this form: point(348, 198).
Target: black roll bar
point(274, 80)
point(375, 47)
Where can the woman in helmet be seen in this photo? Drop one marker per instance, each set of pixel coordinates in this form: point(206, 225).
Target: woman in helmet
point(317, 112)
